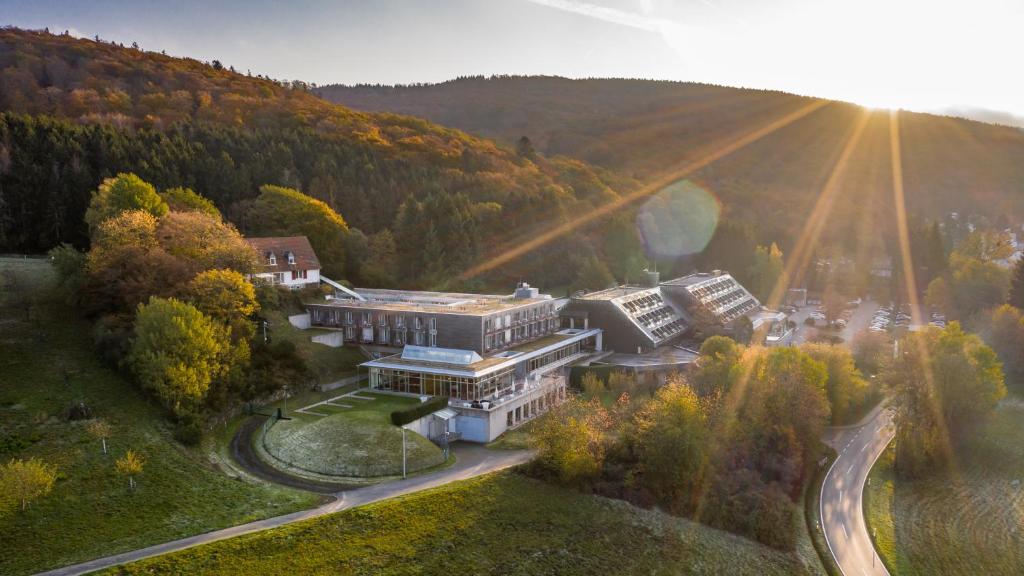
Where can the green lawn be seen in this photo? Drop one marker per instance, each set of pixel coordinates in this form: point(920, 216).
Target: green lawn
point(969, 521)
point(359, 441)
point(329, 364)
point(90, 512)
point(497, 524)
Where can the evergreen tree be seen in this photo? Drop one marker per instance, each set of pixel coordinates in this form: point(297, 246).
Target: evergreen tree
point(1017, 286)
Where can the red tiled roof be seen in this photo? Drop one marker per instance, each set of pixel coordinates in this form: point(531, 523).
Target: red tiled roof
point(280, 247)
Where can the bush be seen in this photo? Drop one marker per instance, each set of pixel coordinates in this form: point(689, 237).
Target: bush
point(188, 430)
point(403, 417)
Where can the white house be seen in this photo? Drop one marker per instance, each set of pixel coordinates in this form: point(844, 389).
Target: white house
point(286, 261)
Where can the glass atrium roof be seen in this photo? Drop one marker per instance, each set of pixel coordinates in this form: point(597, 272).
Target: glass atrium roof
point(444, 355)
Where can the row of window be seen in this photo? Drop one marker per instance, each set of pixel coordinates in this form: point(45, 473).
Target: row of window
point(556, 355)
point(643, 303)
point(519, 334)
point(388, 336)
point(344, 317)
point(504, 321)
point(458, 387)
point(714, 288)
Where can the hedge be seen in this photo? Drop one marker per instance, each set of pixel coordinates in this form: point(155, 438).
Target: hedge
point(403, 417)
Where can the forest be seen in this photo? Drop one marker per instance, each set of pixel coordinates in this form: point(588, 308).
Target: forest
point(74, 112)
point(641, 127)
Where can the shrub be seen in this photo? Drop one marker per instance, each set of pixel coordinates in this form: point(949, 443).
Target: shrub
point(188, 430)
point(403, 417)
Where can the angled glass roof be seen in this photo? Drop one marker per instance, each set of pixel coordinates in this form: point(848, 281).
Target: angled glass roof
point(445, 355)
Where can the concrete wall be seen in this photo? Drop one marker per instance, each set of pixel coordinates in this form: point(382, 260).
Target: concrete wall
point(300, 321)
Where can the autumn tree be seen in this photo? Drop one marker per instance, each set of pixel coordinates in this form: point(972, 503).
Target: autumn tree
point(122, 193)
point(717, 365)
point(177, 352)
point(101, 430)
point(280, 211)
point(205, 242)
point(23, 481)
point(592, 385)
point(872, 352)
point(593, 275)
point(380, 268)
point(845, 387)
point(765, 271)
point(671, 436)
point(130, 465)
point(1004, 331)
point(1016, 298)
point(945, 382)
point(939, 297)
point(226, 296)
point(187, 200)
point(569, 441)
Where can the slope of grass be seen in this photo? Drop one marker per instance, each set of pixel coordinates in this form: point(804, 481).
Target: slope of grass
point(497, 524)
point(967, 521)
point(358, 441)
point(91, 512)
point(329, 364)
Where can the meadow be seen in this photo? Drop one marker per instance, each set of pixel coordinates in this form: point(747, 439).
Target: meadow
point(967, 521)
point(48, 364)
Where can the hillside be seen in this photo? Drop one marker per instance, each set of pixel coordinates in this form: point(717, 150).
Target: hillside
point(75, 111)
point(501, 523)
point(641, 127)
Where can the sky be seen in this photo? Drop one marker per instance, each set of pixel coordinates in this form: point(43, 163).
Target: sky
point(924, 55)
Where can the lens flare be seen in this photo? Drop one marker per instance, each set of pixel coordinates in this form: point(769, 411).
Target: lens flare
point(678, 220)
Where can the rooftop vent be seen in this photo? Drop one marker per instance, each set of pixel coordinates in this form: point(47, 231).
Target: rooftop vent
point(524, 292)
point(653, 277)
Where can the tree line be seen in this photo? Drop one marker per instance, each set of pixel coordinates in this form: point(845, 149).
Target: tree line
point(730, 444)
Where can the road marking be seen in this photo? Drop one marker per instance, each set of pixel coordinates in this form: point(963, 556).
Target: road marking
point(862, 448)
point(845, 532)
point(840, 496)
point(850, 469)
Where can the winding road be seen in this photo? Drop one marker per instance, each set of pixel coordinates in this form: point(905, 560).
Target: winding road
point(842, 507)
point(472, 460)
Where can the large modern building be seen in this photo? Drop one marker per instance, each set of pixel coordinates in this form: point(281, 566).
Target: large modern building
point(645, 320)
point(488, 394)
point(635, 318)
point(482, 323)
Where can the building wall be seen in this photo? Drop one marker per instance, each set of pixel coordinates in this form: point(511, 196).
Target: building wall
point(460, 331)
point(619, 333)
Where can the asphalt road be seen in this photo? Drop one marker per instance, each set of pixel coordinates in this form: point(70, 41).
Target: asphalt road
point(472, 460)
point(842, 508)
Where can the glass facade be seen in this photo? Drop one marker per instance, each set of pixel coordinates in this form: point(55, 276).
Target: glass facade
point(414, 381)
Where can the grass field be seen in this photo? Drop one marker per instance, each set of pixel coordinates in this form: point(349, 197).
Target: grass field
point(355, 441)
point(497, 524)
point(329, 364)
point(91, 512)
point(970, 521)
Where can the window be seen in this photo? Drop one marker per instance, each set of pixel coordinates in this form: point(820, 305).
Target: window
point(433, 323)
point(271, 259)
point(291, 258)
point(278, 277)
point(348, 317)
point(433, 339)
point(298, 274)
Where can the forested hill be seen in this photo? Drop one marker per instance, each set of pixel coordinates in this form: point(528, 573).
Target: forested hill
point(74, 111)
point(639, 127)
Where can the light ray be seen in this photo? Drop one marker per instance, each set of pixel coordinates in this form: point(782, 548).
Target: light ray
point(797, 263)
point(514, 250)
